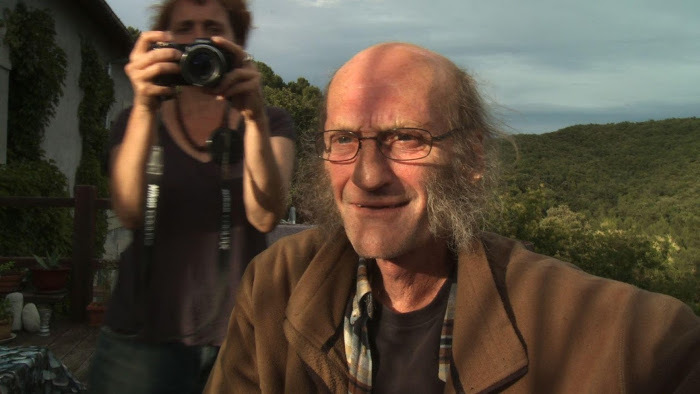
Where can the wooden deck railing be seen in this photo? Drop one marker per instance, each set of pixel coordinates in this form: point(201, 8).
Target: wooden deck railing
point(82, 262)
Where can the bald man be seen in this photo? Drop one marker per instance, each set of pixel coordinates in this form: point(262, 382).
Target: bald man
point(398, 291)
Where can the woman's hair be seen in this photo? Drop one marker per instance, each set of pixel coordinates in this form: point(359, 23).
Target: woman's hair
point(238, 15)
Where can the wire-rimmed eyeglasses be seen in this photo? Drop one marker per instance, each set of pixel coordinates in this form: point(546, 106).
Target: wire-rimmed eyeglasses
point(401, 144)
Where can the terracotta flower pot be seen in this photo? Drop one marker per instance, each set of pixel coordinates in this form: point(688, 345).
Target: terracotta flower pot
point(95, 313)
point(5, 328)
point(11, 282)
point(50, 280)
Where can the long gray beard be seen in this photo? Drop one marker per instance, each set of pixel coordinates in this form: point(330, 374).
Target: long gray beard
point(455, 205)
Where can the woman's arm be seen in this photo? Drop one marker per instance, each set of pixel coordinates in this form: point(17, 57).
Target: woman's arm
point(129, 157)
point(269, 161)
point(267, 174)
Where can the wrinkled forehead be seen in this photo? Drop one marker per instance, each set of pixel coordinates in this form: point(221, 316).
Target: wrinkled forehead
point(391, 76)
point(390, 67)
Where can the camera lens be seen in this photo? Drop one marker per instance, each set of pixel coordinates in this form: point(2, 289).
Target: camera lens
point(202, 65)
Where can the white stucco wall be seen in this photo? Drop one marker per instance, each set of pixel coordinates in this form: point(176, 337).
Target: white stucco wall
point(62, 141)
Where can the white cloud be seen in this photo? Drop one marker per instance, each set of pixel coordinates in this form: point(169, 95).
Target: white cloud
point(318, 3)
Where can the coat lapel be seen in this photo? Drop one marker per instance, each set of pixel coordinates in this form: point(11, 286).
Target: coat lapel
point(487, 352)
point(315, 311)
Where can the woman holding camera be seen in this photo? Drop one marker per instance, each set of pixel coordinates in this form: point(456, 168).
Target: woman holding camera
point(198, 211)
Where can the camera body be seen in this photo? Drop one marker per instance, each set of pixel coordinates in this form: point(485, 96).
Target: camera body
point(202, 63)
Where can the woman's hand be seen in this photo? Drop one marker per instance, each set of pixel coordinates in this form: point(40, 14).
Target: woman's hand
point(242, 85)
point(145, 64)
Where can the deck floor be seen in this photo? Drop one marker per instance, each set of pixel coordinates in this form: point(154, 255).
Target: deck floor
point(72, 343)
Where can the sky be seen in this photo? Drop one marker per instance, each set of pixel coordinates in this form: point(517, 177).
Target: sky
point(541, 64)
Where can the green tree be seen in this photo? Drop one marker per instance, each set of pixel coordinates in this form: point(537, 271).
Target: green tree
point(301, 99)
point(134, 32)
point(599, 248)
point(269, 78)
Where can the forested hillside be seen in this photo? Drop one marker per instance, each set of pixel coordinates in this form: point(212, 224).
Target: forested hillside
point(626, 192)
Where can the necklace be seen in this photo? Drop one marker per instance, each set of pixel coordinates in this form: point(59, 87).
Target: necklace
point(186, 132)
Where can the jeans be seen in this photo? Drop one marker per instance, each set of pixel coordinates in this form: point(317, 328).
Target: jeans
point(122, 364)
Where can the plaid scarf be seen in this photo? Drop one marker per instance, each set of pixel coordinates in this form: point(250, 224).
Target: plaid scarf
point(357, 348)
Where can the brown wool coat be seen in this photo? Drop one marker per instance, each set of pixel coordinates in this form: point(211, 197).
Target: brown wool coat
point(525, 323)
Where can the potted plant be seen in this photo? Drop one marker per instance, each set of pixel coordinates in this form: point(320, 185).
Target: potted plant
point(96, 313)
point(49, 276)
point(5, 319)
point(102, 285)
point(101, 290)
point(10, 278)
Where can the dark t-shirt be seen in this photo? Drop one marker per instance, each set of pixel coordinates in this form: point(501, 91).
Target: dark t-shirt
point(405, 347)
point(185, 298)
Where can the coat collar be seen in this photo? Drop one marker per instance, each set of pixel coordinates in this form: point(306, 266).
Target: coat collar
point(486, 348)
point(316, 307)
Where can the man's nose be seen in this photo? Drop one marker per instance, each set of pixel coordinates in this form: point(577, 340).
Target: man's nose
point(372, 169)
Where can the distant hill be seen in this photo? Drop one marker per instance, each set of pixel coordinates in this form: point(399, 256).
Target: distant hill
point(642, 177)
point(607, 164)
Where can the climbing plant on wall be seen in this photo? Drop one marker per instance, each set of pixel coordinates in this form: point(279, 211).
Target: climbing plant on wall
point(36, 80)
point(35, 87)
point(98, 96)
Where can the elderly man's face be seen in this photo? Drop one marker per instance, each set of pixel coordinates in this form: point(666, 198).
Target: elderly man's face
point(383, 202)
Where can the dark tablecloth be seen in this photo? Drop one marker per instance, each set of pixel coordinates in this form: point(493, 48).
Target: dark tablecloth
point(33, 369)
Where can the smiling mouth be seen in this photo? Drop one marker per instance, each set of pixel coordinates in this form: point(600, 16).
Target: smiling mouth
point(377, 207)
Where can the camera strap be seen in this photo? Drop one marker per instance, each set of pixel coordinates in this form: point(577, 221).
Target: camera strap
point(154, 171)
point(226, 148)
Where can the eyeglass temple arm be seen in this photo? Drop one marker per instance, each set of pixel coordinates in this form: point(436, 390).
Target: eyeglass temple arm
point(445, 135)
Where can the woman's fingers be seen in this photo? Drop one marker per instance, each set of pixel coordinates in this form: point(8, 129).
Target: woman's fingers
point(146, 40)
point(237, 51)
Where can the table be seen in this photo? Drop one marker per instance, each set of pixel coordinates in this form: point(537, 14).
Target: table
point(34, 369)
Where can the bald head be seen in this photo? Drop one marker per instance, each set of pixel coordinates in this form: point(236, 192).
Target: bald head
point(392, 71)
point(391, 62)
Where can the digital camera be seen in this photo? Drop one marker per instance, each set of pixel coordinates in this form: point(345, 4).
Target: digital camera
point(202, 63)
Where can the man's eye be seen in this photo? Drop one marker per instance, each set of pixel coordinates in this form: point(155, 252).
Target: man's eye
point(404, 137)
point(342, 139)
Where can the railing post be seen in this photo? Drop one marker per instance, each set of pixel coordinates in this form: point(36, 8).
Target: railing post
point(83, 249)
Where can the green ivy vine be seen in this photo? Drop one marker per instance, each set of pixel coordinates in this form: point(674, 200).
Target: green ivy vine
point(36, 80)
point(98, 96)
point(35, 87)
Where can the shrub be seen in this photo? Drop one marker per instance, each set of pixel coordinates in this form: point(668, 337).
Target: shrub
point(38, 230)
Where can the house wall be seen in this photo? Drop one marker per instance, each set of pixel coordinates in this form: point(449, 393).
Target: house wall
point(62, 141)
point(5, 67)
point(4, 82)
